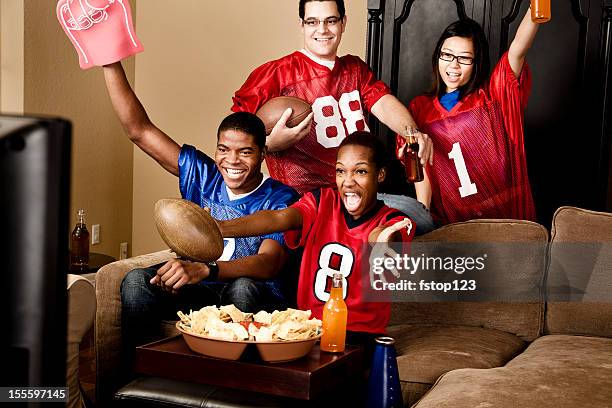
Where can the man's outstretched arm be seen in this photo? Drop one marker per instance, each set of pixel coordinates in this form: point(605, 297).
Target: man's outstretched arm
point(136, 123)
point(261, 223)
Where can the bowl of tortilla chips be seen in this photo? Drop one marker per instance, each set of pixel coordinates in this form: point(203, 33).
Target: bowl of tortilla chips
point(226, 332)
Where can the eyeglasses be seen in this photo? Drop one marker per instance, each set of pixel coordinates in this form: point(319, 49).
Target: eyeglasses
point(445, 56)
point(315, 22)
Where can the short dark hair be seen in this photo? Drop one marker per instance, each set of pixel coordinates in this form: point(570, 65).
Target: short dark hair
point(466, 28)
point(245, 122)
point(339, 3)
point(370, 141)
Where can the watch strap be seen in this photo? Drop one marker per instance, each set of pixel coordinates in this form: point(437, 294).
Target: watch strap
point(213, 272)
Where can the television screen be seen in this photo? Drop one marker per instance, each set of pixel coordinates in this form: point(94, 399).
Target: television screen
point(34, 206)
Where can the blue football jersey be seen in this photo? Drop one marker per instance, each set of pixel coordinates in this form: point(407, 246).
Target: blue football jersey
point(201, 182)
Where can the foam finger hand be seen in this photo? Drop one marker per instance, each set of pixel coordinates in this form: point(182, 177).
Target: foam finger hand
point(101, 31)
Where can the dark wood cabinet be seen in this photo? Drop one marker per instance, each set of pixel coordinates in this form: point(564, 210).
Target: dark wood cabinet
point(568, 122)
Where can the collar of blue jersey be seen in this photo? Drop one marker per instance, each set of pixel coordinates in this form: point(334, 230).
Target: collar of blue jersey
point(225, 198)
point(449, 100)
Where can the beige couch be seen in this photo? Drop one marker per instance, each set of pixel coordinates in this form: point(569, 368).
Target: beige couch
point(569, 364)
point(474, 354)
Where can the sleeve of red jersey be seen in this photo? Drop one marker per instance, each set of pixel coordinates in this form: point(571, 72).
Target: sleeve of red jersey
point(372, 89)
point(307, 206)
point(512, 93)
point(407, 233)
point(260, 86)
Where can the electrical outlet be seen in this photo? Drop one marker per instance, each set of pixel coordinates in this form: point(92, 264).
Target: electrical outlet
point(95, 234)
point(123, 250)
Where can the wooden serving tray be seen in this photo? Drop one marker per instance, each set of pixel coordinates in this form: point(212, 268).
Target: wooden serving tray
point(303, 379)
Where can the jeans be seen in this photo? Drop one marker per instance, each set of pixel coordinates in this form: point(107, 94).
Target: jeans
point(144, 306)
point(412, 208)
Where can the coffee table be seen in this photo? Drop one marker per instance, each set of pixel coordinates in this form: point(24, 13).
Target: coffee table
point(303, 379)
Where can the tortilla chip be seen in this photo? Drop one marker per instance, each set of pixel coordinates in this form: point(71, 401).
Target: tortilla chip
point(263, 317)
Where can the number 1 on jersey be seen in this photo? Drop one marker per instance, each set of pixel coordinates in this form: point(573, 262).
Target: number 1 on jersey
point(467, 187)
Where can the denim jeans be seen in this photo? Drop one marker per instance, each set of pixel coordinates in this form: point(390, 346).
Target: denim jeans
point(412, 208)
point(144, 306)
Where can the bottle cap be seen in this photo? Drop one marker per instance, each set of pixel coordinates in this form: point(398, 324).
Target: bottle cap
point(386, 340)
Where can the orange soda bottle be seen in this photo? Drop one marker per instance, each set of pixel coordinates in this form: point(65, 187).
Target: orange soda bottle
point(334, 318)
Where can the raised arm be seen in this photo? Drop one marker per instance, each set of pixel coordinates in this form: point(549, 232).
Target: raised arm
point(135, 121)
point(261, 223)
point(522, 43)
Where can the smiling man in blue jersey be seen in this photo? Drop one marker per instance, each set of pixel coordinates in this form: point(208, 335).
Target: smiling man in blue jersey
point(232, 185)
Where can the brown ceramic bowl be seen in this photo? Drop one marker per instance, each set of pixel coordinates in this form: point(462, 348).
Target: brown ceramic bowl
point(279, 351)
point(271, 352)
point(208, 346)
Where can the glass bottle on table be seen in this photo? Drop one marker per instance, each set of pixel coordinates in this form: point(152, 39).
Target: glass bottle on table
point(335, 314)
point(79, 244)
point(412, 162)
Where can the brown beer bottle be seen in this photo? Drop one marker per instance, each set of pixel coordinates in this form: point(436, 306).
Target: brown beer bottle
point(79, 244)
point(540, 11)
point(412, 163)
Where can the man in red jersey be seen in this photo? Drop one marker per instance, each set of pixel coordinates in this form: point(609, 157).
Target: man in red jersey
point(333, 226)
point(341, 91)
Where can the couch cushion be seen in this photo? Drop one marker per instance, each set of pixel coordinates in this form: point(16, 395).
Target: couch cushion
point(426, 352)
point(580, 258)
point(524, 318)
point(554, 372)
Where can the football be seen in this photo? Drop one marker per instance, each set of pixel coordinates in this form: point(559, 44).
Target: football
point(188, 230)
point(271, 111)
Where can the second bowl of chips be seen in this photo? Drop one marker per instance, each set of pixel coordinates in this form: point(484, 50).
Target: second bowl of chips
point(280, 351)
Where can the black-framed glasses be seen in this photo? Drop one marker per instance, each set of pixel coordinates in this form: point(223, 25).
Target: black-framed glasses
point(445, 56)
point(315, 22)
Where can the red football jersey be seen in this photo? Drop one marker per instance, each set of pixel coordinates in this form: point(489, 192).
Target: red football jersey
point(479, 167)
point(339, 99)
point(333, 241)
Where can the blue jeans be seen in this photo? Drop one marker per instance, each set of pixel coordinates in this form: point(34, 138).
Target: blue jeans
point(412, 208)
point(144, 306)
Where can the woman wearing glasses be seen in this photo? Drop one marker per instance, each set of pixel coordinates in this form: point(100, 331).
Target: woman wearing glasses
point(476, 124)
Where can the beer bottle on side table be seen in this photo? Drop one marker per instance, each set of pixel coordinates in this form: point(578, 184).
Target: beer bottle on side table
point(335, 314)
point(79, 244)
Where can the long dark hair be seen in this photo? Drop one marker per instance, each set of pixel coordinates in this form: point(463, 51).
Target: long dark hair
point(466, 28)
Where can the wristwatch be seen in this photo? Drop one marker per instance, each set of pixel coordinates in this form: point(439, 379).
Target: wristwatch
point(213, 272)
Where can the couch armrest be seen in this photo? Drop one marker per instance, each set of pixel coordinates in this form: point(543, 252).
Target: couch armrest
point(108, 318)
point(81, 312)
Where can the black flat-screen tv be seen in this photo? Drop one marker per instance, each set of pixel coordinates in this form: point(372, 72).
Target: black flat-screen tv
point(34, 206)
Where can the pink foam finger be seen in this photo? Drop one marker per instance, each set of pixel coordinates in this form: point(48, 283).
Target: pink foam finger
point(101, 31)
